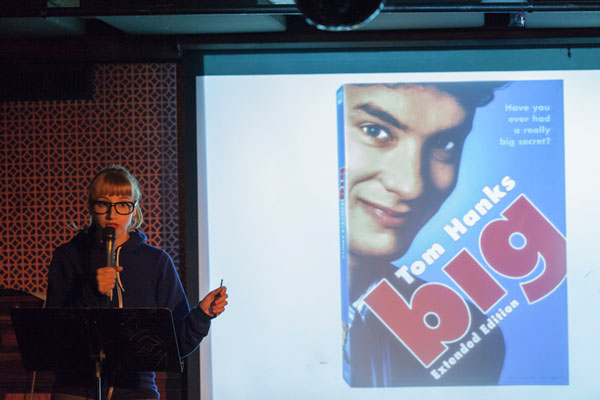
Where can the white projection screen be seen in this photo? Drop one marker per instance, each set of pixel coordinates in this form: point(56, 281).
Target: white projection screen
point(400, 224)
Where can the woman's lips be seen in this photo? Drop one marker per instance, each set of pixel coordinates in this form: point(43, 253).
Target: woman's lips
point(385, 216)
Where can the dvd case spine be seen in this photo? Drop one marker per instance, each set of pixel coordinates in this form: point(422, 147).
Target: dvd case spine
point(343, 221)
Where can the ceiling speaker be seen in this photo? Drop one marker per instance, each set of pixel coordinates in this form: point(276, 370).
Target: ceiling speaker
point(339, 15)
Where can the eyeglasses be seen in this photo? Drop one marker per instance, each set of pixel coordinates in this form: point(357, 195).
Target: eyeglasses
point(121, 207)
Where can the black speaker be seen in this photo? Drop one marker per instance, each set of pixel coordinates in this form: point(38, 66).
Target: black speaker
point(339, 15)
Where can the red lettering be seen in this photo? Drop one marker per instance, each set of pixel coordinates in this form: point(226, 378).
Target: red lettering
point(543, 243)
point(408, 321)
point(477, 282)
point(411, 322)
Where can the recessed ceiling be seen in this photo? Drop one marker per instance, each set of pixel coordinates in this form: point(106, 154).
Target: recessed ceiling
point(24, 18)
point(195, 24)
point(31, 31)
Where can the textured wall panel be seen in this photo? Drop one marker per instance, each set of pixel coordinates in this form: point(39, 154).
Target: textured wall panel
point(50, 150)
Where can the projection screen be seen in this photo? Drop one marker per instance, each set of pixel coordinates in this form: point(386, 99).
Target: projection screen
point(409, 224)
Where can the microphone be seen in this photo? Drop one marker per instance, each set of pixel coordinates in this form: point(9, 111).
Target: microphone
point(108, 237)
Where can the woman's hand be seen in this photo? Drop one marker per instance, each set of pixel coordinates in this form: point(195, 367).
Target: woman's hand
point(214, 303)
point(107, 279)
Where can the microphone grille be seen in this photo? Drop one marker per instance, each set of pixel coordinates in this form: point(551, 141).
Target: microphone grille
point(108, 234)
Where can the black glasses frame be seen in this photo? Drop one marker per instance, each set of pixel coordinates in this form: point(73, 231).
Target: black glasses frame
point(109, 205)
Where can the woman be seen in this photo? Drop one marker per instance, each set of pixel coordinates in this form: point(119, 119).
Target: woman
point(144, 276)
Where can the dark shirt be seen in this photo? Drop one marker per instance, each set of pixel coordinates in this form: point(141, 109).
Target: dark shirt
point(149, 279)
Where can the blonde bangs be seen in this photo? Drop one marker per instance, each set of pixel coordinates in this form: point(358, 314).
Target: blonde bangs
point(105, 187)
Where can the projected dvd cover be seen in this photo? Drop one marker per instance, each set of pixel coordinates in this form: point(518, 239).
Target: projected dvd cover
point(452, 233)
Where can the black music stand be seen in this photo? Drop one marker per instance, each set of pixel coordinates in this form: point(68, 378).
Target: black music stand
point(80, 339)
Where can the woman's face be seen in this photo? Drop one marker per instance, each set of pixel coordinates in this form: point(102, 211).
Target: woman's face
point(120, 222)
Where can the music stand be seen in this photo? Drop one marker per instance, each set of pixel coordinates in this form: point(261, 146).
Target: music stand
point(122, 339)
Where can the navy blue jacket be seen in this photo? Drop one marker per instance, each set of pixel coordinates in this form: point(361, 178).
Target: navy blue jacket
point(149, 279)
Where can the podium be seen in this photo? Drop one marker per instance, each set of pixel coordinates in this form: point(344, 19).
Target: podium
point(80, 339)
